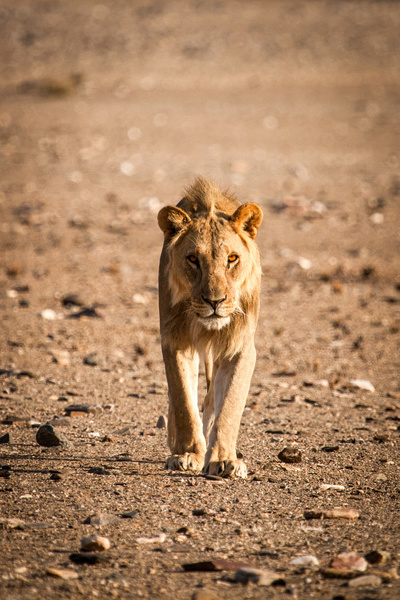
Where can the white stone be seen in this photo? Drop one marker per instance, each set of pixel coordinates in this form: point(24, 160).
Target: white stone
point(362, 384)
point(154, 539)
point(95, 543)
point(305, 561)
point(49, 314)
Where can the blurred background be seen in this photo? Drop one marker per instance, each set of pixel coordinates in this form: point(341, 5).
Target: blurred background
point(108, 110)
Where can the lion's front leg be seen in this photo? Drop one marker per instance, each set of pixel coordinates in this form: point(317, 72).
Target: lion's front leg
point(231, 386)
point(185, 437)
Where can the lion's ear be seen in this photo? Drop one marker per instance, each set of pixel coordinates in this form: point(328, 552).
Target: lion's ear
point(247, 218)
point(172, 220)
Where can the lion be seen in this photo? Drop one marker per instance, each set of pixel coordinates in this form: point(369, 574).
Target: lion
point(209, 296)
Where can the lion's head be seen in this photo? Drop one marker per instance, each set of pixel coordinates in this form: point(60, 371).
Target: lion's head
point(214, 267)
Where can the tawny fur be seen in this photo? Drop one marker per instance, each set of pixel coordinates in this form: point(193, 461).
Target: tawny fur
point(209, 286)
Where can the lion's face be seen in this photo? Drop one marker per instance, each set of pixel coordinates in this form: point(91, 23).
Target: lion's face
point(212, 260)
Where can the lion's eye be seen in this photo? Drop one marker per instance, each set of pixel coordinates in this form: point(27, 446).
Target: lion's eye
point(192, 259)
point(232, 258)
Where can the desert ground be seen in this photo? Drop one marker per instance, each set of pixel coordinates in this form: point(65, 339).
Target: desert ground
point(107, 112)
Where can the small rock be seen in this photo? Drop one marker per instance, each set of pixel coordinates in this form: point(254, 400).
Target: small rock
point(94, 360)
point(332, 486)
point(99, 471)
point(348, 561)
point(366, 581)
point(382, 437)
point(95, 543)
point(101, 519)
point(72, 300)
point(61, 357)
point(49, 436)
point(262, 577)
point(342, 513)
point(139, 299)
point(153, 539)
point(66, 574)
point(378, 557)
point(306, 562)
point(49, 314)
point(6, 439)
point(335, 513)
point(290, 455)
point(56, 477)
point(11, 524)
point(361, 384)
point(129, 515)
point(162, 422)
point(82, 409)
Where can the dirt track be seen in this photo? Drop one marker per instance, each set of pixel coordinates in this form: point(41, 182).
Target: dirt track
point(105, 115)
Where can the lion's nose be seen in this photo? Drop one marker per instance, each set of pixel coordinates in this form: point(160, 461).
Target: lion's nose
point(214, 303)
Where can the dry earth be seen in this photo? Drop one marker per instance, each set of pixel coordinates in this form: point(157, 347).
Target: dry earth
point(106, 112)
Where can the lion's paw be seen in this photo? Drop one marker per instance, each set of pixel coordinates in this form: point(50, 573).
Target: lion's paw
point(227, 468)
point(185, 462)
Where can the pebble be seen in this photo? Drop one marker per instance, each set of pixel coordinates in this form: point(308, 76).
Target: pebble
point(129, 515)
point(95, 543)
point(366, 581)
point(290, 455)
point(262, 577)
point(66, 574)
point(162, 422)
point(332, 486)
point(330, 448)
point(101, 519)
point(11, 524)
point(307, 561)
point(6, 439)
point(335, 513)
point(49, 314)
point(348, 561)
point(61, 357)
point(72, 300)
point(94, 360)
point(362, 384)
point(159, 538)
point(99, 471)
point(49, 436)
point(382, 437)
point(378, 557)
point(82, 409)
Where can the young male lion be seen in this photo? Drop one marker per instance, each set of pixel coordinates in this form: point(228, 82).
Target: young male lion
point(209, 291)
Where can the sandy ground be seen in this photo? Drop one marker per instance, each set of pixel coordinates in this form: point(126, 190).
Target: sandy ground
point(107, 111)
